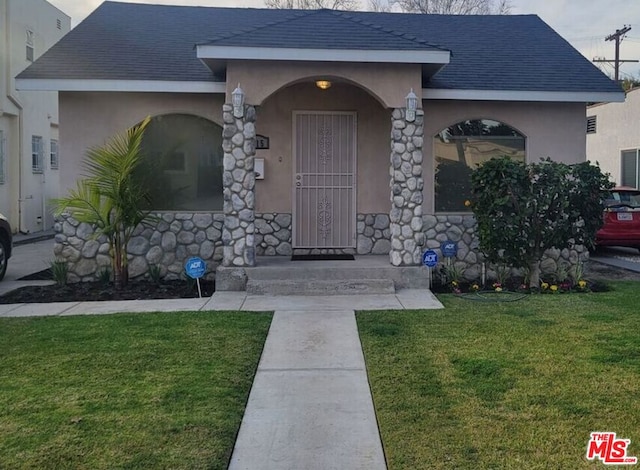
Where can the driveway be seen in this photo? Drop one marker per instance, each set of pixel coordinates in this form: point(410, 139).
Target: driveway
point(27, 259)
point(614, 263)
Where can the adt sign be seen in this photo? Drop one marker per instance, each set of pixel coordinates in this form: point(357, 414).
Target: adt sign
point(449, 249)
point(430, 258)
point(195, 267)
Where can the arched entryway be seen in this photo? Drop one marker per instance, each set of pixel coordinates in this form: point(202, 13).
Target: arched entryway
point(327, 162)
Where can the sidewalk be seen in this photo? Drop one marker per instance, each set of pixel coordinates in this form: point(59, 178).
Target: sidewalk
point(221, 301)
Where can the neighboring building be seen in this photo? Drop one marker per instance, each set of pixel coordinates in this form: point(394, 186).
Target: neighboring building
point(613, 138)
point(343, 165)
point(28, 119)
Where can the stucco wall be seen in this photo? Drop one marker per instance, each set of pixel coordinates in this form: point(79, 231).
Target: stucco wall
point(90, 119)
point(555, 130)
point(9, 189)
point(552, 129)
point(389, 83)
point(617, 129)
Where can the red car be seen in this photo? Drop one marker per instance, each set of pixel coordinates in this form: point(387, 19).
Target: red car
point(621, 219)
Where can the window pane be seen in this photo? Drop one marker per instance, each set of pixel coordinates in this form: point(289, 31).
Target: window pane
point(54, 155)
point(460, 148)
point(36, 154)
point(183, 163)
point(629, 168)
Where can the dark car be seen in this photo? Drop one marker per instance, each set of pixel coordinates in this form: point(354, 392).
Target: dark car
point(621, 219)
point(5, 244)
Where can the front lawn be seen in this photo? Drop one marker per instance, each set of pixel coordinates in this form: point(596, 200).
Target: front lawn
point(163, 390)
point(505, 385)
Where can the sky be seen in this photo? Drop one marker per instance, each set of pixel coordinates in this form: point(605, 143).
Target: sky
point(583, 23)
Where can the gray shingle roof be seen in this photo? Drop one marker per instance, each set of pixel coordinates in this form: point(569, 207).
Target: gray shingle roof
point(323, 29)
point(125, 41)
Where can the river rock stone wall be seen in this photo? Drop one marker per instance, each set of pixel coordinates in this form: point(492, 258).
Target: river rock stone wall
point(238, 181)
point(406, 185)
point(273, 234)
point(172, 238)
point(374, 234)
point(166, 242)
point(462, 229)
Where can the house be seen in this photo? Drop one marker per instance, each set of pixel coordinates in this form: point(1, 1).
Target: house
point(29, 154)
point(323, 131)
point(613, 139)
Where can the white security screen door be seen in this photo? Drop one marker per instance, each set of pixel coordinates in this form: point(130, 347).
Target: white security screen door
point(324, 199)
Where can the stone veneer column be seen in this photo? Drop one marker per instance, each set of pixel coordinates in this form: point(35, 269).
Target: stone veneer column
point(406, 185)
point(238, 180)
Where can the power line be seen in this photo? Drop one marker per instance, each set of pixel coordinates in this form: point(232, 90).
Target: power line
point(618, 36)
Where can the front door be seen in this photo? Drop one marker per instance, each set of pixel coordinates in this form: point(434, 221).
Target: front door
point(324, 199)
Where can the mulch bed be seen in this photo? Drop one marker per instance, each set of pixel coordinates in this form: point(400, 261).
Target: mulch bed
point(97, 291)
point(596, 273)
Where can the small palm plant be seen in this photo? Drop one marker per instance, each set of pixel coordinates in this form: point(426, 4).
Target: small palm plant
point(109, 198)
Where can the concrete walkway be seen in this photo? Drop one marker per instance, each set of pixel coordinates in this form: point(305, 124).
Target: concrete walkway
point(310, 405)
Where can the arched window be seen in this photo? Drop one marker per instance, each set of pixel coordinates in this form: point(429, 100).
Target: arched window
point(182, 168)
point(460, 148)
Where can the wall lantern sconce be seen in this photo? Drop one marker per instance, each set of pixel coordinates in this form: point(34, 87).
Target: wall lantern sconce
point(412, 105)
point(237, 99)
point(323, 84)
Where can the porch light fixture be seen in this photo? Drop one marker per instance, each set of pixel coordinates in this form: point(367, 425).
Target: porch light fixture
point(237, 99)
point(323, 84)
point(412, 105)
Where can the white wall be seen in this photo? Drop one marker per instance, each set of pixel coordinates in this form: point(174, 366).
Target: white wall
point(24, 194)
point(617, 129)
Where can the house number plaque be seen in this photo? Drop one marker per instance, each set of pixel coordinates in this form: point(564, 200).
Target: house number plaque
point(262, 142)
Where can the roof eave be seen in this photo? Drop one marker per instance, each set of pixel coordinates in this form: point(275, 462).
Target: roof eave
point(148, 86)
point(523, 95)
point(207, 51)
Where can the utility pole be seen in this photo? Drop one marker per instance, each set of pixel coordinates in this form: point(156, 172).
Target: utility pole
point(618, 36)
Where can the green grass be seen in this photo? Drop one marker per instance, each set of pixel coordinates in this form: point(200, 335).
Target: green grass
point(505, 385)
point(163, 390)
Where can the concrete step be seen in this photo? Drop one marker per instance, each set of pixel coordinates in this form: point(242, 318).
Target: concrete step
point(320, 286)
point(319, 272)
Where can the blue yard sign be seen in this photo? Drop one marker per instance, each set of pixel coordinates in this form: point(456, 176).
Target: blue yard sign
point(195, 267)
point(449, 249)
point(430, 258)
